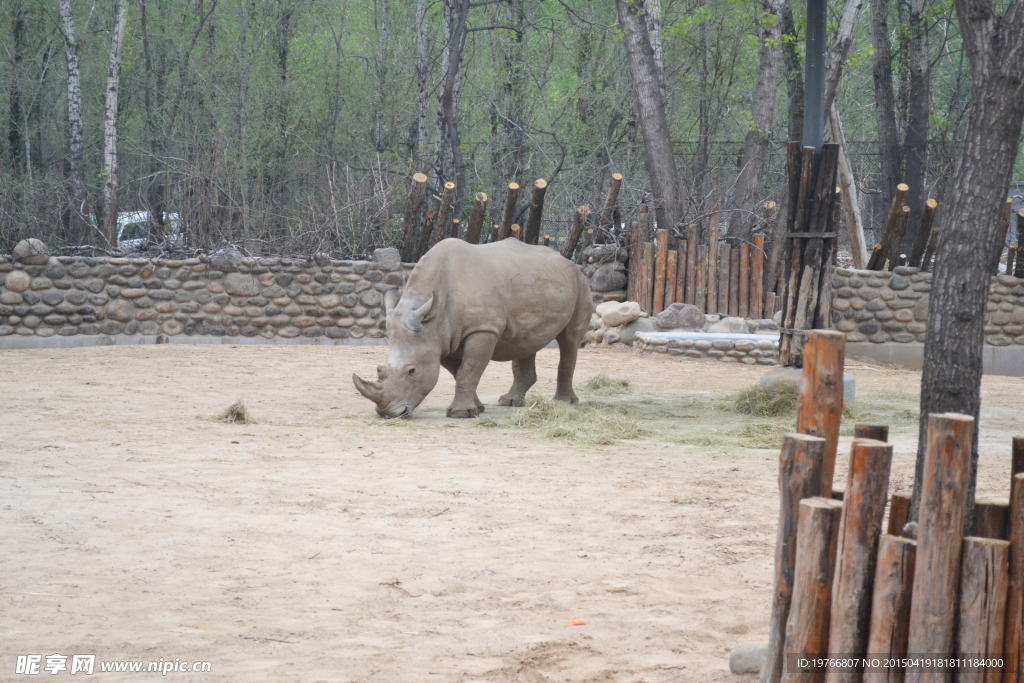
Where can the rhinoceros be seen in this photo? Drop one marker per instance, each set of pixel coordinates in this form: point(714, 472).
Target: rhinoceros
point(467, 304)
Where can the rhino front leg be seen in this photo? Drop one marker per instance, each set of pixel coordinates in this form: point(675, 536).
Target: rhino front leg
point(524, 376)
point(568, 347)
point(452, 366)
point(477, 350)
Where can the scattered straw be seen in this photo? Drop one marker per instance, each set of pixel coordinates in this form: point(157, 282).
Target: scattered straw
point(591, 424)
point(237, 414)
point(761, 401)
point(603, 384)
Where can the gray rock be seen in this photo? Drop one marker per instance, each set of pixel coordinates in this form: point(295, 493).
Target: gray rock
point(731, 325)
point(17, 281)
point(120, 310)
point(242, 284)
point(609, 278)
point(227, 260)
point(628, 332)
point(679, 316)
point(387, 259)
point(31, 252)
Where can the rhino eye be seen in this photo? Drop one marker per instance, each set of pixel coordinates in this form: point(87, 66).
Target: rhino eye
point(412, 371)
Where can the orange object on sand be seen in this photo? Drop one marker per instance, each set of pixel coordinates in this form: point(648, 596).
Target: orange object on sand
point(577, 622)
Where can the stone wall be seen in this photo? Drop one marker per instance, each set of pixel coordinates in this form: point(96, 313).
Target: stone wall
point(749, 349)
point(882, 306)
point(221, 295)
point(605, 267)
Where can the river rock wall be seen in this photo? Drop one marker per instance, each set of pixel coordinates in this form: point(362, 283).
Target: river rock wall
point(222, 295)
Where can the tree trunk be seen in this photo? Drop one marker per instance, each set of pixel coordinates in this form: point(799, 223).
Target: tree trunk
point(644, 67)
point(79, 222)
point(890, 152)
point(794, 74)
point(755, 153)
point(915, 145)
point(243, 92)
point(16, 132)
point(449, 164)
point(110, 125)
point(966, 253)
point(841, 42)
point(422, 71)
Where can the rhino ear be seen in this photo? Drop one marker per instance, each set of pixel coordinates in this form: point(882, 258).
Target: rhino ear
point(420, 315)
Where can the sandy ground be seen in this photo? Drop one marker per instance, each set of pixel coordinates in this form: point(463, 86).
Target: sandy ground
point(320, 545)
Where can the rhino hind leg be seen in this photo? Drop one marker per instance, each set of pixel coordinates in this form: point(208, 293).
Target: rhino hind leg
point(477, 350)
point(452, 366)
point(524, 376)
point(568, 347)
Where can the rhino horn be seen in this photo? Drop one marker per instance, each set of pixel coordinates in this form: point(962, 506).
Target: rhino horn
point(370, 390)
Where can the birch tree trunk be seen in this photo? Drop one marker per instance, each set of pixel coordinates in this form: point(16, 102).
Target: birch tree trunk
point(755, 152)
point(643, 65)
point(79, 222)
point(967, 252)
point(110, 125)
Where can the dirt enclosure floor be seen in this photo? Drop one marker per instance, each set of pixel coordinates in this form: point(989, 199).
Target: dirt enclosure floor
point(319, 543)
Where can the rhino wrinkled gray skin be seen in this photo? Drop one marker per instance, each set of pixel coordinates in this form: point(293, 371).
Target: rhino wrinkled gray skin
point(465, 305)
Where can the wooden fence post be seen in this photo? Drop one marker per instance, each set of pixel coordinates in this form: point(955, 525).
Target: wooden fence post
point(671, 272)
point(744, 307)
point(899, 512)
point(924, 231)
point(991, 520)
point(425, 235)
point(515, 232)
point(509, 213)
point(648, 277)
point(877, 260)
point(692, 242)
point(734, 281)
point(984, 580)
point(444, 214)
point(943, 505)
point(896, 252)
point(413, 209)
point(532, 233)
point(681, 272)
point(866, 431)
point(455, 228)
point(724, 262)
point(476, 219)
point(701, 295)
point(578, 222)
point(814, 566)
point(859, 529)
point(1017, 453)
point(800, 477)
point(1013, 641)
point(821, 394)
point(890, 606)
point(660, 265)
point(712, 298)
point(637, 235)
point(757, 279)
point(607, 224)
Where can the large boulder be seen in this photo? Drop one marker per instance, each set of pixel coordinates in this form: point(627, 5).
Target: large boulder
point(387, 259)
point(609, 278)
point(679, 316)
point(227, 259)
point(242, 284)
point(31, 252)
point(628, 332)
point(621, 313)
point(729, 325)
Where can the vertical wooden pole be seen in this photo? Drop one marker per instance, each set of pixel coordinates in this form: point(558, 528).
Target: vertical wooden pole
point(692, 242)
point(578, 222)
point(984, 580)
point(509, 213)
point(712, 298)
point(648, 283)
point(896, 252)
point(924, 231)
point(671, 271)
point(929, 252)
point(859, 529)
point(744, 307)
point(455, 228)
point(794, 265)
point(606, 227)
point(724, 262)
point(800, 477)
point(877, 261)
point(899, 512)
point(515, 232)
point(701, 296)
point(532, 231)
point(757, 279)
point(637, 235)
point(476, 219)
point(494, 233)
point(943, 505)
point(1013, 641)
point(991, 520)
point(1003, 229)
point(444, 214)
point(734, 281)
point(814, 566)
point(821, 394)
point(890, 606)
point(1017, 454)
point(681, 272)
point(413, 209)
point(425, 235)
point(660, 265)
point(866, 431)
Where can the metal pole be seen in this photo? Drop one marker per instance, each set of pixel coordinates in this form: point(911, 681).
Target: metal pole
point(814, 78)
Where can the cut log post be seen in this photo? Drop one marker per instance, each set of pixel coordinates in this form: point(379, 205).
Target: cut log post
point(859, 530)
point(866, 431)
point(1013, 641)
point(428, 231)
point(941, 513)
point(770, 305)
point(924, 231)
point(578, 222)
point(1016, 456)
point(984, 581)
point(607, 225)
point(821, 394)
point(929, 252)
point(711, 305)
point(660, 266)
point(734, 281)
point(876, 255)
point(701, 295)
point(540, 187)
point(413, 211)
point(899, 512)
point(476, 219)
point(647, 278)
point(637, 235)
point(681, 272)
point(744, 305)
point(515, 231)
point(1003, 229)
point(794, 265)
point(494, 234)
point(891, 223)
point(692, 242)
point(890, 606)
point(547, 240)
point(671, 272)
point(724, 263)
point(848, 187)
point(991, 520)
point(1018, 268)
point(896, 250)
point(757, 279)
point(508, 214)
point(444, 214)
point(800, 477)
point(456, 223)
point(814, 566)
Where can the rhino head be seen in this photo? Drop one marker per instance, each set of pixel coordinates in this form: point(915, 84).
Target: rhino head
point(414, 359)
